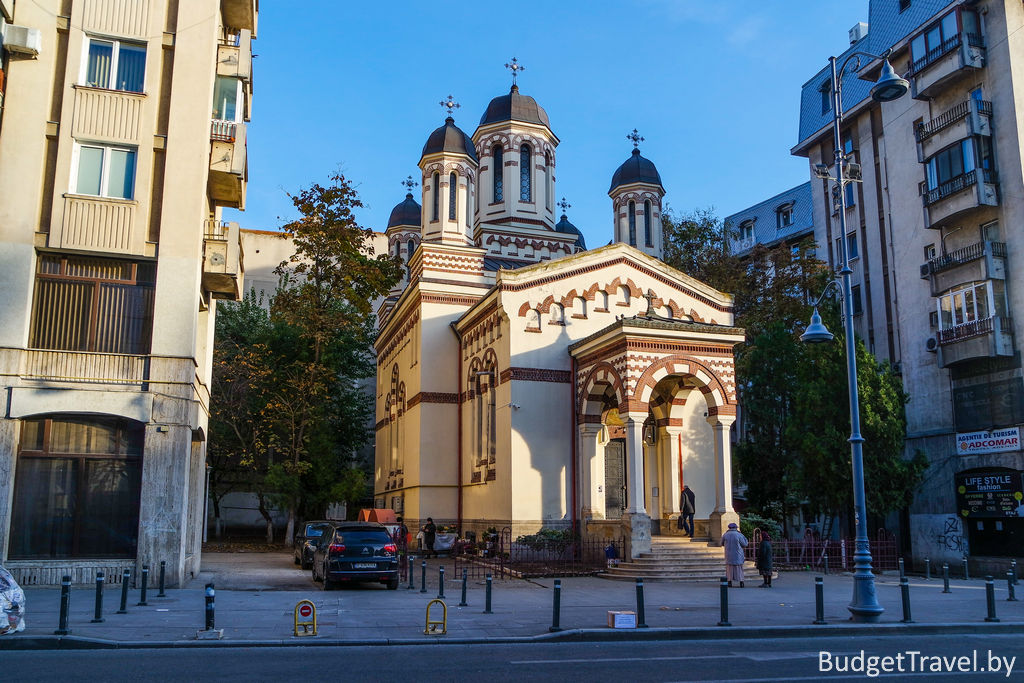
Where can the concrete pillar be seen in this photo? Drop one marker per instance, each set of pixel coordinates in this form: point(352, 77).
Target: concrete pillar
point(591, 459)
point(165, 498)
point(8, 443)
point(673, 461)
point(636, 522)
point(724, 512)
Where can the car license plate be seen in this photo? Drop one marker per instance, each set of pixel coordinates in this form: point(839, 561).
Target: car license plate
point(365, 565)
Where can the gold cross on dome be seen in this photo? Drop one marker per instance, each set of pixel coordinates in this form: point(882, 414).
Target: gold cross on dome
point(636, 138)
point(564, 205)
point(450, 104)
point(409, 183)
point(515, 67)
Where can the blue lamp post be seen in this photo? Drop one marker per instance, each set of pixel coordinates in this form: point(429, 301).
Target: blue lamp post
point(888, 87)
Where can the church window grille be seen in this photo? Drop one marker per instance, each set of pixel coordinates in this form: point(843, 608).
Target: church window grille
point(632, 223)
point(499, 170)
point(437, 196)
point(453, 185)
point(648, 233)
point(525, 188)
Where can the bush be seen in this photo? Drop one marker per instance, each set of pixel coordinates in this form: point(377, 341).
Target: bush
point(751, 521)
point(547, 538)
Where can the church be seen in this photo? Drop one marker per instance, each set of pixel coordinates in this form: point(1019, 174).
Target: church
point(524, 380)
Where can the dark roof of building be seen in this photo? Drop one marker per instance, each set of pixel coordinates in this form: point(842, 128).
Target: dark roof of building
point(563, 225)
point(496, 263)
point(406, 212)
point(636, 169)
point(451, 139)
point(514, 107)
point(766, 222)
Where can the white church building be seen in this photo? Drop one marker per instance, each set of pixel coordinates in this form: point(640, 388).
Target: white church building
point(526, 381)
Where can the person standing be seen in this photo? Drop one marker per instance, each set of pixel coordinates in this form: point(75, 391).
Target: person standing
point(764, 560)
point(429, 534)
point(401, 539)
point(687, 508)
point(734, 542)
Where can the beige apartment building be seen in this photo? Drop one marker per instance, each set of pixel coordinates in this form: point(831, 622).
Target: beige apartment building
point(122, 139)
point(936, 248)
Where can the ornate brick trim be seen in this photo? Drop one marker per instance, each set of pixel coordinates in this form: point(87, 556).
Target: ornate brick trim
point(536, 375)
point(449, 299)
point(433, 397)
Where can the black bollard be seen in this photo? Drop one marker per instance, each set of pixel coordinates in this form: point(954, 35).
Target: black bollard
point(826, 563)
point(423, 577)
point(65, 606)
point(641, 620)
point(1010, 588)
point(411, 582)
point(97, 617)
point(163, 571)
point(487, 601)
point(463, 603)
point(905, 594)
point(145, 584)
point(125, 577)
point(990, 598)
point(210, 607)
point(945, 578)
point(440, 582)
point(927, 569)
point(966, 574)
point(556, 607)
point(819, 601)
point(903, 572)
point(723, 591)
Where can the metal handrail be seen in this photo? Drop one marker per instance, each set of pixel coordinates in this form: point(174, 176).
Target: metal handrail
point(923, 131)
point(223, 131)
point(975, 328)
point(966, 254)
point(936, 53)
point(950, 187)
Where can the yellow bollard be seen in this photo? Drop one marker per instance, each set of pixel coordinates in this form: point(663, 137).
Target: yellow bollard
point(307, 611)
point(431, 628)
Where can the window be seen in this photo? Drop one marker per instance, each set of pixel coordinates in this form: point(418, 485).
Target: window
point(499, 169)
point(104, 171)
point(632, 223)
point(785, 216)
point(746, 230)
point(826, 96)
point(91, 304)
point(851, 246)
point(227, 94)
point(972, 302)
point(648, 233)
point(453, 184)
point(929, 252)
point(937, 40)
point(114, 65)
point(436, 197)
point(858, 304)
point(951, 163)
point(549, 190)
point(990, 232)
point(77, 488)
point(525, 187)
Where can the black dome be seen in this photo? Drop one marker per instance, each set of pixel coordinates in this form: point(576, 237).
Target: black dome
point(563, 225)
point(636, 169)
point(514, 107)
point(449, 138)
point(405, 213)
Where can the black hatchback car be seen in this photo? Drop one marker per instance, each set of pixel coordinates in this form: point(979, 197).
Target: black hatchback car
point(356, 551)
point(306, 541)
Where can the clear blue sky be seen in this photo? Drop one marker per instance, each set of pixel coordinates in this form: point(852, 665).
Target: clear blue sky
point(713, 86)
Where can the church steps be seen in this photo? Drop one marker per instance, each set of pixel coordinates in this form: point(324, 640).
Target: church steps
point(675, 559)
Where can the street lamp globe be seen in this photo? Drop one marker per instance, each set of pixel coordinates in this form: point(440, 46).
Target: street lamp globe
point(816, 332)
point(889, 86)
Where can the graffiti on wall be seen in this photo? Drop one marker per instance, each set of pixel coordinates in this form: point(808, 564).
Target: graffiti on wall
point(939, 537)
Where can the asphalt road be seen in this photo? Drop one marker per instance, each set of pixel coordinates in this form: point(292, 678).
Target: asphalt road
point(740, 660)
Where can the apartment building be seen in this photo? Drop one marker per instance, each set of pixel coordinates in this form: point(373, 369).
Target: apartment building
point(933, 234)
point(786, 218)
point(122, 139)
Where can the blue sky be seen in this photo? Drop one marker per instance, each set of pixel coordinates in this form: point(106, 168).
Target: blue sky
point(713, 86)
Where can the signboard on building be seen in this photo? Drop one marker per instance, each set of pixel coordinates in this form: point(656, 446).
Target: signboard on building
point(996, 441)
point(995, 402)
point(990, 492)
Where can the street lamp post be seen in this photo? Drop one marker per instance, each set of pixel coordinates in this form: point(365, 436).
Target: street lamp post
point(864, 607)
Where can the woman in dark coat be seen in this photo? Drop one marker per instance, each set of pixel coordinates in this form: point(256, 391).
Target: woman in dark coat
point(764, 560)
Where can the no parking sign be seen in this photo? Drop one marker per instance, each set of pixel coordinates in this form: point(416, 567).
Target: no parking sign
point(305, 617)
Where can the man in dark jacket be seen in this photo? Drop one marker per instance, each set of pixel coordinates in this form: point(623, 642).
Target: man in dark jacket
point(764, 560)
point(687, 507)
point(429, 532)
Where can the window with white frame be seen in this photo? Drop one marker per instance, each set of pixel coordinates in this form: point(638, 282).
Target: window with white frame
point(104, 171)
point(746, 230)
point(785, 215)
point(971, 302)
point(227, 99)
point(114, 64)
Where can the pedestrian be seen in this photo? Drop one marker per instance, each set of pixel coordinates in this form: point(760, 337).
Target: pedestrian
point(429, 533)
point(401, 539)
point(687, 507)
point(734, 542)
point(764, 560)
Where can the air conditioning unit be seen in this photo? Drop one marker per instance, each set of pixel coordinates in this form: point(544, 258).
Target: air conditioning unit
point(925, 271)
point(21, 40)
point(931, 344)
point(859, 30)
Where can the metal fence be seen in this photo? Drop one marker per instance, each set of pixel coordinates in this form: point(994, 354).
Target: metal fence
point(813, 552)
point(500, 556)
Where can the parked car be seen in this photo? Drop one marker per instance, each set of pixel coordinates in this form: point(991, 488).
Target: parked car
point(356, 551)
point(306, 541)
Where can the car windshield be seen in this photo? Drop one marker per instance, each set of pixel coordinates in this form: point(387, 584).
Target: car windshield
point(365, 537)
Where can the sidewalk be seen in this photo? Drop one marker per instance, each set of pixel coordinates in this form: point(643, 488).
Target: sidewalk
point(522, 609)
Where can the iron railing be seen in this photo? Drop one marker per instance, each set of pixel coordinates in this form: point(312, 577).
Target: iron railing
point(972, 252)
point(810, 552)
point(950, 187)
point(499, 556)
point(935, 54)
point(222, 131)
point(923, 131)
point(975, 328)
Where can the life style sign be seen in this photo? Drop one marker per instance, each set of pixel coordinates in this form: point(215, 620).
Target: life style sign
point(994, 492)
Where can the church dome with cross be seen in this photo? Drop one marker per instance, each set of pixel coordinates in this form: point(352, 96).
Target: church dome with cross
point(449, 139)
point(636, 169)
point(515, 106)
point(564, 226)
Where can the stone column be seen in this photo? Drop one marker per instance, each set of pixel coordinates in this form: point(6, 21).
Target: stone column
point(723, 513)
point(673, 460)
point(636, 522)
point(591, 460)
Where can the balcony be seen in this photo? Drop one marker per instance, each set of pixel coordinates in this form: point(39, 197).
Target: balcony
point(85, 367)
point(979, 261)
point(240, 14)
point(223, 264)
point(986, 338)
point(968, 118)
point(954, 197)
point(958, 56)
point(229, 170)
point(234, 55)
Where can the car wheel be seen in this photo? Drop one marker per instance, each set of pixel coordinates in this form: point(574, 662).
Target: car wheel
point(393, 585)
point(315, 577)
point(328, 584)
point(296, 559)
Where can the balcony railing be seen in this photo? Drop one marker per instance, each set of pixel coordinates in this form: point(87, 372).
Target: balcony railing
point(935, 54)
point(923, 131)
point(967, 254)
point(975, 328)
point(223, 131)
point(950, 187)
point(215, 230)
point(85, 366)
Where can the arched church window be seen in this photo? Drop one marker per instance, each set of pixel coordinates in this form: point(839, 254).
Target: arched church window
point(580, 307)
point(498, 173)
point(453, 184)
point(525, 189)
point(632, 223)
point(623, 295)
point(533, 319)
point(601, 300)
point(648, 233)
point(437, 196)
point(492, 422)
point(557, 314)
point(549, 191)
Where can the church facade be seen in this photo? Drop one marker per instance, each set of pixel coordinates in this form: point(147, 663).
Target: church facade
point(526, 381)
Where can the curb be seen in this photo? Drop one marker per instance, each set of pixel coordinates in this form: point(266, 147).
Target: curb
point(569, 635)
